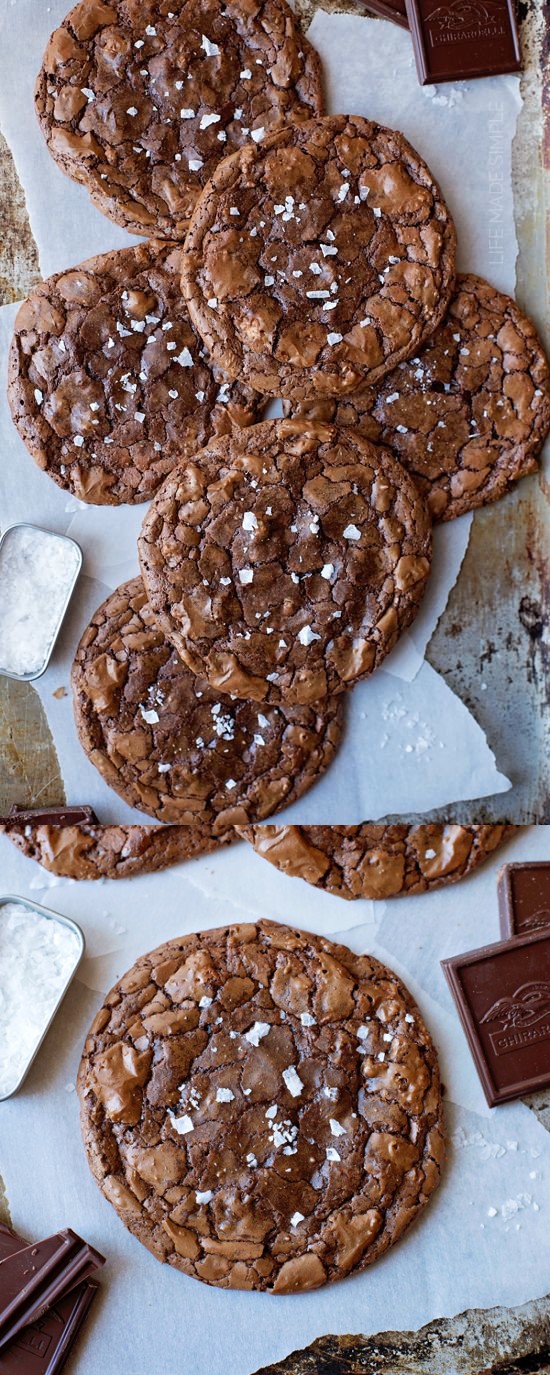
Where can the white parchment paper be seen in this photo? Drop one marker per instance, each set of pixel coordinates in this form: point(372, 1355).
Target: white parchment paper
point(152, 1321)
point(410, 745)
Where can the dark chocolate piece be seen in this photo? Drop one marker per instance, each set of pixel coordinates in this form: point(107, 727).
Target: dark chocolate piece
point(33, 1279)
point(9, 1241)
point(463, 38)
point(49, 816)
point(524, 897)
point(502, 993)
point(42, 1348)
point(389, 9)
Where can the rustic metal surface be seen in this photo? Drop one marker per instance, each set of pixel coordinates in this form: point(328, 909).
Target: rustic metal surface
point(492, 643)
point(492, 647)
point(478, 1342)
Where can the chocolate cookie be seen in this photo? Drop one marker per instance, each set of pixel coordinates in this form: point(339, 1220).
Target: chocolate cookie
point(376, 861)
point(261, 1107)
point(469, 414)
point(171, 745)
point(284, 563)
point(139, 101)
point(108, 384)
point(319, 259)
point(90, 852)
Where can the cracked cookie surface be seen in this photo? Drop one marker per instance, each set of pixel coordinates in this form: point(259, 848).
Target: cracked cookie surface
point(319, 259)
point(108, 383)
point(89, 851)
point(139, 99)
point(175, 748)
point(285, 562)
point(372, 861)
point(262, 1107)
point(469, 414)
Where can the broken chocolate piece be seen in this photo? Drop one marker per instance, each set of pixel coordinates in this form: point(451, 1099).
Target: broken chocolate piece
point(35, 1277)
point(49, 816)
point(524, 897)
point(389, 9)
point(463, 39)
point(502, 993)
point(43, 1347)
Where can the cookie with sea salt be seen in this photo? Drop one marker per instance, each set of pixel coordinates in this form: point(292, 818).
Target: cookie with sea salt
point(371, 861)
point(319, 259)
point(262, 1107)
point(171, 745)
point(284, 563)
point(89, 851)
point(138, 100)
point(468, 415)
point(108, 383)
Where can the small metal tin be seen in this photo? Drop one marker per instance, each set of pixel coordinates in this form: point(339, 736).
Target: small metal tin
point(28, 525)
point(64, 921)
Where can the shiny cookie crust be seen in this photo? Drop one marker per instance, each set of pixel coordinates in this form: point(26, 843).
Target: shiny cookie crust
point(285, 562)
point(372, 861)
point(140, 100)
point(262, 1107)
point(319, 259)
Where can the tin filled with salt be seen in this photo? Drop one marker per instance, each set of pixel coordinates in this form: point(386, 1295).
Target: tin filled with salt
point(38, 572)
point(39, 955)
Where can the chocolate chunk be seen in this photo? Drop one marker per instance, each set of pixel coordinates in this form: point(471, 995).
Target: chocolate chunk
point(524, 897)
point(502, 993)
point(43, 1347)
point(389, 9)
point(49, 816)
point(463, 39)
point(36, 1276)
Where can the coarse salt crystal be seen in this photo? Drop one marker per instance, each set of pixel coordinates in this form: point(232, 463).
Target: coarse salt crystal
point(37, 570)
point(37, 958)
point(256, 1033)
point(293, 1082)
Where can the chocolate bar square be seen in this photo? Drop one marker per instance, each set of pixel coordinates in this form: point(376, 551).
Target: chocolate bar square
point(464, 38)
point(502, 993)
point(524, 897)
point(389, 9)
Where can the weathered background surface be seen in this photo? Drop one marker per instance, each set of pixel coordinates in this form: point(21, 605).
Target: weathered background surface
point(492, 644)
point(494, 633)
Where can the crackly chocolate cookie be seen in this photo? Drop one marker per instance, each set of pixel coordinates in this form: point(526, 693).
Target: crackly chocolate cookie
point(319, 259)
point(469, 414)
point(174, 747)
point(261, 1107)
point(109, 385)
point(376, 861)
point(90, 851)
point(284, 563)
point(139, 99)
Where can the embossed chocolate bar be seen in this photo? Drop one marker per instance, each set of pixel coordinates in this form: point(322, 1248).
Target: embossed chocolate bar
point(502, 993)
point(524, 897)
point(49, 816)
point(463, 38)
point(388, 9)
